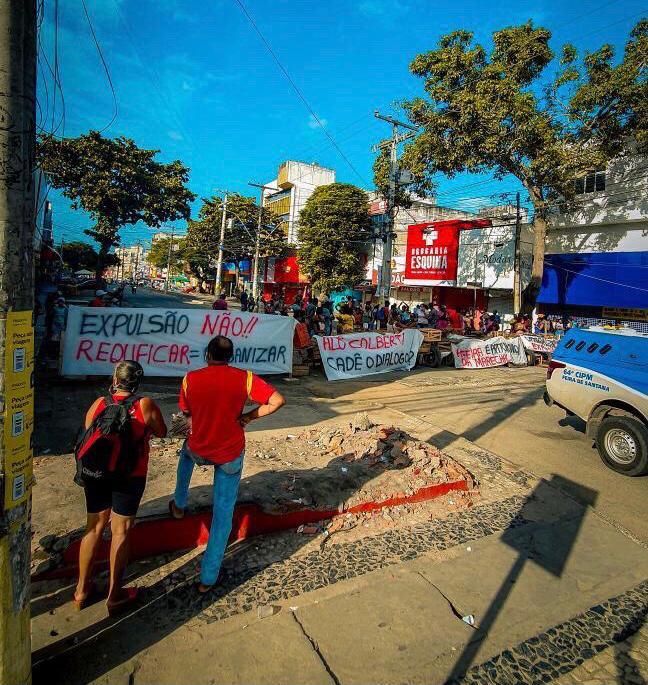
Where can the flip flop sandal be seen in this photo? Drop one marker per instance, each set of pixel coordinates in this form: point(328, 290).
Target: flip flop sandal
point(173, 509)
point(80, 604)
point(117, 608)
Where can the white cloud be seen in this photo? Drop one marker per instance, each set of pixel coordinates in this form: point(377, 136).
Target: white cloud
point(313, 122)
point(175, 135)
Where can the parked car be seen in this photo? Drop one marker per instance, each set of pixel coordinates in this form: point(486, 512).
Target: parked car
point(89, 284)
point(601, 376)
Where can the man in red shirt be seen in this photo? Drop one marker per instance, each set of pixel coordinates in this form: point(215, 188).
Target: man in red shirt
point(213, 399)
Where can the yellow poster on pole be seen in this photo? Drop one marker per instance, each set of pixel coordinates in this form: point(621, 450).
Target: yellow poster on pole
point(19, 408)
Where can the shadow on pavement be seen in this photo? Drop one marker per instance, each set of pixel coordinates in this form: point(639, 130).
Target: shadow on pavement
point(549, 547)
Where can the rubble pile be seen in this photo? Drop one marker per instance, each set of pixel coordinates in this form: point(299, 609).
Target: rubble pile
point(345, 465)
point(387, 447)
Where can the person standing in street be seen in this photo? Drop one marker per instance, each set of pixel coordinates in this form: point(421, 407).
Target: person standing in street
point(213, 399)
point(244, 300)
point(98, 300)
point(220, 304)
point(115, 499)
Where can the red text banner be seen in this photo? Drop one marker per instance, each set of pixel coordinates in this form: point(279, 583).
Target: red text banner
point(361, 354)
point(483, 354)
point(170, 342)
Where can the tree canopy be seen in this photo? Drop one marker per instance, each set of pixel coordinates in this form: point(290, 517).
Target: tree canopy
point(116, 182)
point(333, 227)
point(78, 255)
point(495, 112)
point(240, 238)
point(158, 255)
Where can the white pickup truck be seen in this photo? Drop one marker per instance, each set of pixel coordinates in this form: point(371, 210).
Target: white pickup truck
point(601, 376)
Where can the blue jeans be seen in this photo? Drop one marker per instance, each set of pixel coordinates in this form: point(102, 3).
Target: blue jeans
point(226, 484)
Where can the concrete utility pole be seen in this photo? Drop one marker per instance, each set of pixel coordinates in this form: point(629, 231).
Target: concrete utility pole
point(221, 247)
point(384, 284)
point(517, 275)
point(166, 284)
point(257, 241)
point(17, 221)
point(134, 275)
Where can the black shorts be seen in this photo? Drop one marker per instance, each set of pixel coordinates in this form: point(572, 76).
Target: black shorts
point(123, 497)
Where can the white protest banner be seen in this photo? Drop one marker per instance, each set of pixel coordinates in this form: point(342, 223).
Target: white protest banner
point(170, 342)
point(483, 354)
point(538, 343)
point(361, 354)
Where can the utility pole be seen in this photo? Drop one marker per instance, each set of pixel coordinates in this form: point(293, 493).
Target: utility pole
point(139, 245)
point(17, 225)
point(384, 283)
point(517, 276)
point(166, 285)
point(257, 241)
point(221, 246)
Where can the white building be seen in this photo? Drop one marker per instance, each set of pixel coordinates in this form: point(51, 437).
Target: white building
point(294, 184)
point(132, 263)
point(596, 264)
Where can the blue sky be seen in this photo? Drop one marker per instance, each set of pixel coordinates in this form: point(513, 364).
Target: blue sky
point(194, 80)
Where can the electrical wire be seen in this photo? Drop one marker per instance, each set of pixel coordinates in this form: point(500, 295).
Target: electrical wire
point(105, 66)
point(153, 78)
point(56, 7)
point(57, 83)
point(297, 90)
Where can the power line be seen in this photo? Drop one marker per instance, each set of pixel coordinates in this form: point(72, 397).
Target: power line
point(150, 72)
point(297, 90)
point(105, 66)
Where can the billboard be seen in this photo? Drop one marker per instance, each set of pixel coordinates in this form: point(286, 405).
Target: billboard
point(432, 250)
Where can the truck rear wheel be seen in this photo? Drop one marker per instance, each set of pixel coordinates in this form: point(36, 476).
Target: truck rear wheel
point(622, 442)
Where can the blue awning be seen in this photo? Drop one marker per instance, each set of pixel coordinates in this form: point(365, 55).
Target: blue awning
point(608, 279)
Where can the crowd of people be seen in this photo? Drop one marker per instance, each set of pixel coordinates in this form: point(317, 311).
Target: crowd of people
point(323, 317)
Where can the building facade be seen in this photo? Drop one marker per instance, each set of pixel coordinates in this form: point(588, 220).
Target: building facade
point(596, 263)
point(287, 196)
point(478, 251)
point(132, 264)
point(290, 191)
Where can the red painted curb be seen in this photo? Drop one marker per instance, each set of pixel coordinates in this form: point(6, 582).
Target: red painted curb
point(160, 535)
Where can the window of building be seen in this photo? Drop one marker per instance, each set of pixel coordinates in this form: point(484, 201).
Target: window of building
point(591, 183)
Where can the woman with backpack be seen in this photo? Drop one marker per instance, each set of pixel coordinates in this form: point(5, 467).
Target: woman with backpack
point(119, 425)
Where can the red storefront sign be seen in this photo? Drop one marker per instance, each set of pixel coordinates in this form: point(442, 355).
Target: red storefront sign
point(432, 249)
point(284, 270)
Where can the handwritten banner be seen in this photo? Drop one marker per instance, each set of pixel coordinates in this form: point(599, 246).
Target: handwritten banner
point(170, 342)
point(538, 343)
point(482, 354)
point(362, 354)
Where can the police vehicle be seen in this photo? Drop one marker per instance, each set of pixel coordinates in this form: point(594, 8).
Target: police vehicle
point(601, 376)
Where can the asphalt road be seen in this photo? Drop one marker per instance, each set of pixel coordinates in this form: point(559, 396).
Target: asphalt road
point(146, 297)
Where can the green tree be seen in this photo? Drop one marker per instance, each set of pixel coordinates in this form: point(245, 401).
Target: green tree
point(79, 255)
point(158, 255)
point(494, 113)
point(116, 182)
point(240, 238)
point(333, 226)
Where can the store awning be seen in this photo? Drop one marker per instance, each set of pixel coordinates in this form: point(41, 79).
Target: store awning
point(609, 279)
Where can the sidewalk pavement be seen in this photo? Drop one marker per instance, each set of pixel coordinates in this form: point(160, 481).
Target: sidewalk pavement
point(555, 592)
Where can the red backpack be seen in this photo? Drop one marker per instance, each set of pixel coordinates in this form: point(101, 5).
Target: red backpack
point(106, 449)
